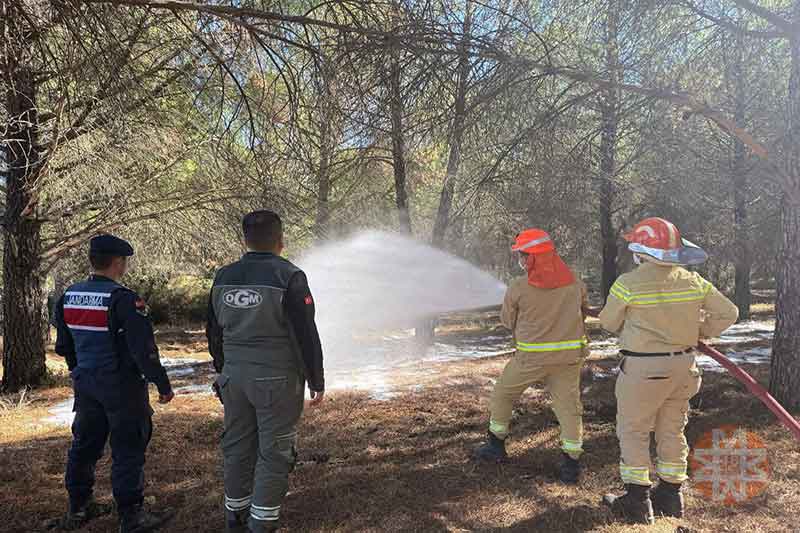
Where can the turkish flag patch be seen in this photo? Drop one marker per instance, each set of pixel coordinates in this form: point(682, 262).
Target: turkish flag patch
point(309, 300)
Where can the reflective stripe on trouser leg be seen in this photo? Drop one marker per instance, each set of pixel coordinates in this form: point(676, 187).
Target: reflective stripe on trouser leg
point(672, 472)
point(239, 445)
point(563, 384)
point(516, 377)
point(639, 401)
point(237, 504)
point(572, 447)
point(265, 514)
point(277, 421)
point(498, 429)
point(635, 475)
point(672, 448)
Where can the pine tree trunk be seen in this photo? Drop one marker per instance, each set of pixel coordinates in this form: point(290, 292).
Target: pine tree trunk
point(742, 245)
point(327, 140)
point(456, 136)
point(23, 342)
point(609, 108)
point(785, 375)
point(398, 144)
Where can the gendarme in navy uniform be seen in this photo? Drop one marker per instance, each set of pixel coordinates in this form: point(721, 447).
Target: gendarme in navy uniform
point(264, 341)
point(106, 337)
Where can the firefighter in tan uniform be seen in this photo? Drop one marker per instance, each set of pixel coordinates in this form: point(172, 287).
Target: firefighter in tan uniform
point(544, 310)
point(660, 311)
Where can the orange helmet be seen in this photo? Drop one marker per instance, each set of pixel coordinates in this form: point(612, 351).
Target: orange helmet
point(661, 241)
point(533, 241)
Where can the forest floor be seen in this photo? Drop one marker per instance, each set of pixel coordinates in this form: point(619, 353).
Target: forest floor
point(400, 462)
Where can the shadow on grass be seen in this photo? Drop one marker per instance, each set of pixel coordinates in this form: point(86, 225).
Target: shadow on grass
point(366, 465)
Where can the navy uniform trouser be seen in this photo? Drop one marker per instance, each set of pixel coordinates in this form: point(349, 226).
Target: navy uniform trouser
point(109, 403)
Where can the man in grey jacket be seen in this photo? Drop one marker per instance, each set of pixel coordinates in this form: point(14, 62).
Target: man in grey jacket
point(265, 345)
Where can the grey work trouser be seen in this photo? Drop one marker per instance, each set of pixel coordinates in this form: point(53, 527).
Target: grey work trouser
point(262, 408)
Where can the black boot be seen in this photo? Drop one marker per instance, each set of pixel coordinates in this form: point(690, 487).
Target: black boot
point(236, 521)
point(569, 471)
point(137, 520)
point(668, 500)
point(257, 526)
point(634, 506)
point(74, 520)
point(494, 450)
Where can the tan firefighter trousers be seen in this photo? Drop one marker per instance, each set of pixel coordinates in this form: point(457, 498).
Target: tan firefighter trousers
point(561, 381)
point(653, 395)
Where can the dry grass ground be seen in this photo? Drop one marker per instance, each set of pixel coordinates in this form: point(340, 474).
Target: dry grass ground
point(402, 465)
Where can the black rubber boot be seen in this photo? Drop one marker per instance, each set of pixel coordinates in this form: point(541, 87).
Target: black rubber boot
point(75, 520)
point(634, 506)
point(569, 471)
point(236, 522)
point(137, 520)
point(668, 500)
point(494, 450)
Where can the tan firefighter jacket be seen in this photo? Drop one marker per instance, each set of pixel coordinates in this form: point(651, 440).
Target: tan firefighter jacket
point(547, 323)
point(660, 309)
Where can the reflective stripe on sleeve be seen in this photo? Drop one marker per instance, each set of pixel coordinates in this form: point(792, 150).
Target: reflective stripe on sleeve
point(620, 291)
point(707, 286)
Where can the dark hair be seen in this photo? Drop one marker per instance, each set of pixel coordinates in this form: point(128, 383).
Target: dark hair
point(100, 261)
point(263, 230)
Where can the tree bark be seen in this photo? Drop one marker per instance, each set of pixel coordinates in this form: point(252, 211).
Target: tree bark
point(398, 143)
point(742, 245)
point(743, 261)
point(23, 343)
point(327, 140)
point(609, 109)
point(456, 135)
point(785, 373)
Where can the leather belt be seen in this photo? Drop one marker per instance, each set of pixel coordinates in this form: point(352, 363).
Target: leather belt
point(626, 353)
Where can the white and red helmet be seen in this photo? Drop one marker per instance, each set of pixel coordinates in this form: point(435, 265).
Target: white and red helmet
point(660, 240)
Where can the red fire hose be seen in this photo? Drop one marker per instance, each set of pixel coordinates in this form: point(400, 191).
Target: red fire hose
point(754, 387)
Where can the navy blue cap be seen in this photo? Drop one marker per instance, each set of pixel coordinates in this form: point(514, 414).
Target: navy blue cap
point(110, 245)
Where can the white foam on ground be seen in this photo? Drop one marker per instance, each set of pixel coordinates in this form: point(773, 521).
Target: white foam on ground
point(60, 414)
point(169, 362)
point(756, 356)
point(180, 372)
point(605, 352)
point(750, 326)
point(199, 389)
